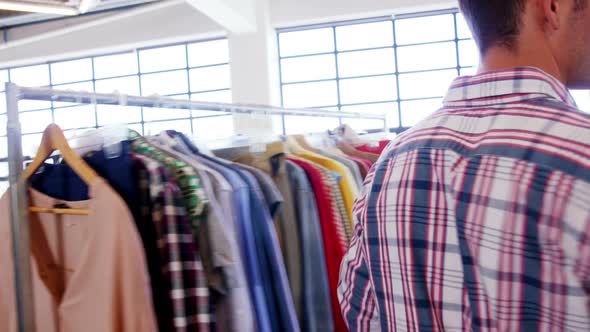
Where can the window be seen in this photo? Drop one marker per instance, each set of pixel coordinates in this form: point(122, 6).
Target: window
point(362, 63)
point(115, 65)
point(400, 67)
point(197, 70)
point(150, 60)
point(354, 37)
point(432, 28)
point(71, 71)
point(582, 99)
point(30, 76)
point(297, 69)
point(306, 42)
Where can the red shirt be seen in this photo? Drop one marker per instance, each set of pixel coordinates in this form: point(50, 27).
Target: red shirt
point(334, 248)
point(373, 149)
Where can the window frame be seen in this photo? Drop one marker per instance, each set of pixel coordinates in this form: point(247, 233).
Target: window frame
point(137, 74)
point(393, 19)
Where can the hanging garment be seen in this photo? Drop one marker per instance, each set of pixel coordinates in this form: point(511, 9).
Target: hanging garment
point(363, 164)
point(272, 162)
point(331, 180)
point(351, 165)
point(60, 181)
point(221, 259)
point(182, 264)
point(244, 233)
point(377, 149)
point(335, 242)
point(346, 182)
point(272, 196)
point(184, 175)
point(317, 310)
point(89, 272)
point(232, 303)
point(352, 151)
point(276, 284)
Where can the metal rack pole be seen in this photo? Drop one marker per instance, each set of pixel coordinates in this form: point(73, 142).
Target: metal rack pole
point(167, 102)
point(19, 217)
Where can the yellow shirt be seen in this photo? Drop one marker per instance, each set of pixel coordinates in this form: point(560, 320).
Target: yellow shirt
point(349, 191)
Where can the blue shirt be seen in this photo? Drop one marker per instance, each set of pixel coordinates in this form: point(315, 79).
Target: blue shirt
point(271, 264)
point(245, 234)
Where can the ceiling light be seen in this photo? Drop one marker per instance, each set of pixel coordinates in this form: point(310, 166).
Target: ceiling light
point(86, 5)
point(45, 8)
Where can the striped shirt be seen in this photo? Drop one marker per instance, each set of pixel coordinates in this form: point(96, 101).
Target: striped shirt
point(338, 204)
point(478, 218)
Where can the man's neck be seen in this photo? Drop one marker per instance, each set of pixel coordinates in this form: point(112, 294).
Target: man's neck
point(499, 58)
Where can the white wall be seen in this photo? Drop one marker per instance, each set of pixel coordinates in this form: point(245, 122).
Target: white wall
point(157, 24)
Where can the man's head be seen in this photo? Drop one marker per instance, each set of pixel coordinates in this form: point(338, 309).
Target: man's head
point(543, 33)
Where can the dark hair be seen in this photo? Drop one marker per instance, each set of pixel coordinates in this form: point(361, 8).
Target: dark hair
point(497, 22)
point(493, 22)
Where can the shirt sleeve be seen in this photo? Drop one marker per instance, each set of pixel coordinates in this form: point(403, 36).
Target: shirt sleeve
point(355, 292)
point(582, 265)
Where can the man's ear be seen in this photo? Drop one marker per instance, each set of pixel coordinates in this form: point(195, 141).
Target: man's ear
point(551, 11)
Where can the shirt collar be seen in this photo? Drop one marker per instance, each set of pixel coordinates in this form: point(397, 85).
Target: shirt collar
point(513, 85)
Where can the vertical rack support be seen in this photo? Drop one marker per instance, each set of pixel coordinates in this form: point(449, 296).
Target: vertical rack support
point(19, 216)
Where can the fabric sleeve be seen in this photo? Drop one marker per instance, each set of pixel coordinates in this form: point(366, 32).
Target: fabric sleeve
point(355, 293)
point(117, 271)
point(571, 229)
point(582, 264)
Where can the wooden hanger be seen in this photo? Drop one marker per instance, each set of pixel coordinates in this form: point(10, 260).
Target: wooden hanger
point(54, 139)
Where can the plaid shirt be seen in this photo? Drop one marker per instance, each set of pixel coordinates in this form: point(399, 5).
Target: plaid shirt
point(182, 264)
point(186, 178)
point(478, 218)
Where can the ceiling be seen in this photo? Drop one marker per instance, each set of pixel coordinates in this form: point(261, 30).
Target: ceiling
point(9, 13)
point(11, 18)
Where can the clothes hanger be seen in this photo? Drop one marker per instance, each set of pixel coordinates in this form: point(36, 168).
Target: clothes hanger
point(293, 145)
point(54, 139)
point(304, 143)
point(108, 138)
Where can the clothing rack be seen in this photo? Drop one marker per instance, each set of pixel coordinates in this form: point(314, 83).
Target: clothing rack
point(18, 207)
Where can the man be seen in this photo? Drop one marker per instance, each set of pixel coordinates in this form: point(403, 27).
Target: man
point(478, 218)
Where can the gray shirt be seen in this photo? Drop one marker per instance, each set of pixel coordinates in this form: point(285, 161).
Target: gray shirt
point(317, 310)
point(217, 240)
